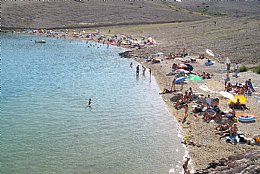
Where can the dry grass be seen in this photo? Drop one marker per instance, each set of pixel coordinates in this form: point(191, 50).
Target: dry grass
point(69, 13)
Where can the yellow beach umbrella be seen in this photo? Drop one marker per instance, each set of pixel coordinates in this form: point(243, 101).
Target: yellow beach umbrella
point(242, 99)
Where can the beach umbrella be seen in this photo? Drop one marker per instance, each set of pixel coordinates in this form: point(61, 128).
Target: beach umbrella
point(242, 99)
point(195, 77)
point(189, 66)
point(179, 58)
point(227, 95)
point(205, 88)
point(181, 70)
point(180, 79)
point(227, 61)
point(209, 52)
point(181, 65)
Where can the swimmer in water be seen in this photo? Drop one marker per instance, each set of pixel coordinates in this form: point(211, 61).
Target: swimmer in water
point(89, 102)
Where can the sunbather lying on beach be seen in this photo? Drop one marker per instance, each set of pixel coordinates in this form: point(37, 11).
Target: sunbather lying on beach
point(205, 75)
point(165, 91)
point(223, 127)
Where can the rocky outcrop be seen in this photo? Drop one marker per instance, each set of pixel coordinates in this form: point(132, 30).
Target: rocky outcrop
point(248, 162)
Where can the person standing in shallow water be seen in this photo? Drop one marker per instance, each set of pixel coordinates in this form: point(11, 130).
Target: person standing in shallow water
point(137, 70)
point(144, 69)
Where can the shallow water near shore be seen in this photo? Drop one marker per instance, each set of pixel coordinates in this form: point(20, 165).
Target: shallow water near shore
point(46, 126)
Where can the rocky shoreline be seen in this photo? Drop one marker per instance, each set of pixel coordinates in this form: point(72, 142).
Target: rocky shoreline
point(248, 162)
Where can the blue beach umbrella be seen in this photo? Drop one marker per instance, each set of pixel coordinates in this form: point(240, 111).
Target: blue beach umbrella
point(180, 79)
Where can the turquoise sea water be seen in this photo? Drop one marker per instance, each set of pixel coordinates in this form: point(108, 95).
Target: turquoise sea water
point(47, 128)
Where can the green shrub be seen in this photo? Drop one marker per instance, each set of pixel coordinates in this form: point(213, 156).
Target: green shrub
point(243, 69)
point(257, 70)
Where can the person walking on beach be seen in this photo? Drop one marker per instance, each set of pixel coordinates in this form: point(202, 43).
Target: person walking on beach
point(185, 166)
point(250, 85)
point(236, 70)
point(150, 71)
point(186, 109)
point(227, 79)
point(173, 85)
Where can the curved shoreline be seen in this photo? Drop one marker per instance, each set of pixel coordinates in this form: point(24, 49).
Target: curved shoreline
point(159, 72)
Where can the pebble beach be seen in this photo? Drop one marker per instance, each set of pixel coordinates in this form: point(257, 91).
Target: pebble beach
point(239, 42)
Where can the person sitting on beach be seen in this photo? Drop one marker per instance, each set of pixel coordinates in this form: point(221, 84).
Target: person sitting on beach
point(208, 76)
point(215, 102)
point(229, 87)
point(241, 91)
point(204, 75)
point(214, 114)
point(198, 109)
point(174, 67)
point(208, 114)
point(232, 131)
point(238, 105)
point(180, 102)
